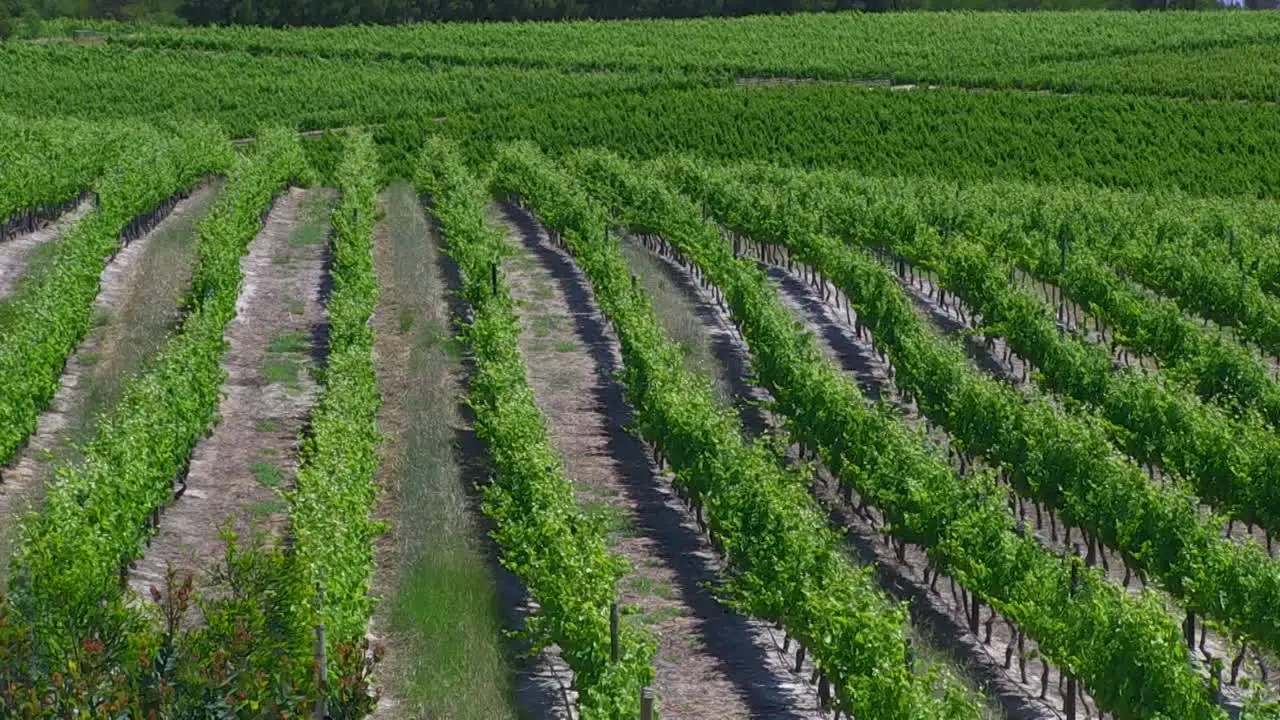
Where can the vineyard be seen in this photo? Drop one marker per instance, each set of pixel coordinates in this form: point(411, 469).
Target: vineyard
point(870, 366)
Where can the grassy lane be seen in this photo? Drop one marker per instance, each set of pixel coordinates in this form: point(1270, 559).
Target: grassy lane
point(135, 310)
point(442, 608)
point(686, 320)
point(144, 318)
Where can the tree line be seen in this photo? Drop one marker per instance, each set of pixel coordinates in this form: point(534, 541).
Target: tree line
point(24, 16)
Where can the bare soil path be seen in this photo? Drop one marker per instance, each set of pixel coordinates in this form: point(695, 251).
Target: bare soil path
point(711, 663)
point(17, 252)
point(237, 474)
point(443, 596)
point(135, 309)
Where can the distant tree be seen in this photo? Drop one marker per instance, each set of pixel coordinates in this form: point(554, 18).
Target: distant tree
point(9, 12)
point(32, 22)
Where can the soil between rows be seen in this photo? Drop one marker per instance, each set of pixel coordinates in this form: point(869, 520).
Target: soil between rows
point(17, 252)
point(710, 662)
point(238, 472)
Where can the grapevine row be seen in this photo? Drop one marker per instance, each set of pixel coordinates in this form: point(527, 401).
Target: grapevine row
point(560, 556)
point(1063, 461)
point(46, 165)
point(1124, 648)
point(1203, 55)
point(1028, 226)
point(331, 507)
point(48, 316)
point(1217, 368)
point(109, 83)
point(95, 517)
point(1203, 283)
point(1234, 463)
point(785, 565)
point(943, 133)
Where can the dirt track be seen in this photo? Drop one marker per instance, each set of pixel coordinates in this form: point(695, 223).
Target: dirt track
point(711, 662)
point(237, 474)
point(16, 252)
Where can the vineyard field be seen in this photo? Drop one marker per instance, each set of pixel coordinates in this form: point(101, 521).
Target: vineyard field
point(838, 366)
point(1174, 55)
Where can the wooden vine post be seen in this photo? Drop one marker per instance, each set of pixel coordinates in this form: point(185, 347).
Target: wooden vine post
point(321, 664)
point(614, 622)
point(1069, 703)
point(322, 675)
point(646, 704)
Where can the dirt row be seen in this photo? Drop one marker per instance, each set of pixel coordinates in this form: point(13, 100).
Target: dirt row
point(237, 473)
point(711, 662)
point(16, 253)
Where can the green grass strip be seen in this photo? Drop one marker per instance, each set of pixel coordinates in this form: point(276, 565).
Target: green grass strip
point(559, 554)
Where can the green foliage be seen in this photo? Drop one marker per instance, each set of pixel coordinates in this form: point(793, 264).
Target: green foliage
point(266, 474)
point(785, 564)
point(325, 154)
point(332, 506)
point(71, 638)
point(111, 82)
point(47, 317)
point(32, 22)
point(48, 163)
point(1218, 259)
point(546, 540)
point(1201, 55)
point(1061, 460)
point(1072, 613)
point(251, 657)
point(1109, 140)
point(294, 342)
point(65, 572)
point(1029, 224)
point(1232, 462)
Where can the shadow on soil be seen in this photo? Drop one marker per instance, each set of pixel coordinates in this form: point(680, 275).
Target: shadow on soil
point(943, 631)
point(727, 635)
